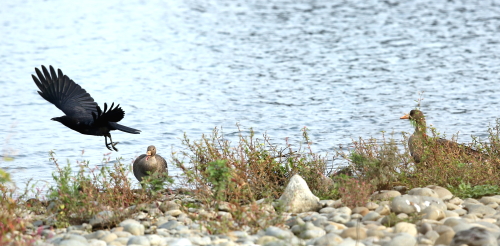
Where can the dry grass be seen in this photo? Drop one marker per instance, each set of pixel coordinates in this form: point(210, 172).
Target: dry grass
point(448, 164)
point(12, 209)
point(76, 198)
point(246, 171)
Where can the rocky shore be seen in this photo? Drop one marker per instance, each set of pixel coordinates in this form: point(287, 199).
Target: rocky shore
point(421, 216)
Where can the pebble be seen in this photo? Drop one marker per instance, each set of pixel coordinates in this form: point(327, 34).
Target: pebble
point(134, 229)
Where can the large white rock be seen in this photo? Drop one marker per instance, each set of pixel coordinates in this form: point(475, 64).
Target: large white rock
point(298, 198)
point(415, 204)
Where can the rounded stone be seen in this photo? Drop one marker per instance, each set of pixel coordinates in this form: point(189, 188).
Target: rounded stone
point(360, 210)
point(371, 205)
point(71, 242)
point(330, 239)
point(445, 238)
point(375, 233)
point(442, 192)
point(97, 242)
point(432, 213)
point(450, 214)
point(122, 233)
point(139, 240)
point(489, 199)
point(134, 229)
point(456, 201)
point(278, 232)
point(68, 237)
point(410, 203)
point(432, 235)
point(312, 233)
point(423, 192)
point(451, 222)
point(451, 206)
point(97, 234)
point(264, 240)
point(460, 212)
point(327, 203)
point(475, 236)
point(471, 201)
point(197, 240)
point(174, 213)
point(402, 216)
point(493, 205)
point(154, 239)
point(320, 221)
point(385, 195)
point(479, 209)
point(344, 210)
point(169, 205)
point(340, 218)
point(327, 210)
point(383, 210)
point(109, 238)
point(350, 242)
point(406, 227)
point(129, 221)
point(102, 218)
point(371, 216)
point(169, 225)
point(402, 239)
point(355, 233)
point(337, 226)
point(180, 242)
point(352, 223)
point(356, 217)
point(424, 228)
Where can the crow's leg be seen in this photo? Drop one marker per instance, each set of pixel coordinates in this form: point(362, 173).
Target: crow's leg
point(112, 144)
point(106, 142)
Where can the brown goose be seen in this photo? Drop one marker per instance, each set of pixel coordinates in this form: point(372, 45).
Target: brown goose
point(149, 163)
point(419, 140)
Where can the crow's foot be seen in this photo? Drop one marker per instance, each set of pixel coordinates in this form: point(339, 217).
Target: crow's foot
point(112, 146)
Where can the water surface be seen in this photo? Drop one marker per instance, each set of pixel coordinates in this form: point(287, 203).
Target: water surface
point(344, 69)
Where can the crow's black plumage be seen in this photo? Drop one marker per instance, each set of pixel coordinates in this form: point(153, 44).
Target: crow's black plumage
point(82, 113)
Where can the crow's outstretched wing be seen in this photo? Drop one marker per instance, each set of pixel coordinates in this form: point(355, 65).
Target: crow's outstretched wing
point(64, 93)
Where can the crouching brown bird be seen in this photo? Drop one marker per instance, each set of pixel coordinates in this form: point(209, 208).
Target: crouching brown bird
point(149, 163)
point(419, 141)
point(82, 114)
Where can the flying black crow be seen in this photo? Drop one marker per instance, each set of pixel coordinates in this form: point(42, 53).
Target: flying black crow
point(82, 113)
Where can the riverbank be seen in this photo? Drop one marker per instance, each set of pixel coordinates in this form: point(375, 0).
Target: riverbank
point(421, 216)
point(252, 192)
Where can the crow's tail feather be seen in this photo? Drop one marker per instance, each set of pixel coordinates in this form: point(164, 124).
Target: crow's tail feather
point(125, 128)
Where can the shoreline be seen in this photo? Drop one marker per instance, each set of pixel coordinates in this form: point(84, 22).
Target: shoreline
point(423, 216)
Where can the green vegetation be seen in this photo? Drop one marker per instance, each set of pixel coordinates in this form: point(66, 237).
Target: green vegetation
point(78, 197)
point(464, 190)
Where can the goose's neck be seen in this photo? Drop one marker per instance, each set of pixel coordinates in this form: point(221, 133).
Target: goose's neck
point(420, 128)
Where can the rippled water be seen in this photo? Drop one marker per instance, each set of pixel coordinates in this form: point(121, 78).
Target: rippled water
point(343, 69)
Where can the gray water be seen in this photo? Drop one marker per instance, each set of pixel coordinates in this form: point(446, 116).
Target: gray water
point(343, 69)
